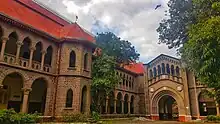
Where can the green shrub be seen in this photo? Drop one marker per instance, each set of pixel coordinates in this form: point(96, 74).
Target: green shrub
point(213, 118)
point(74, 117)
point(95, 116)
point(11, 117)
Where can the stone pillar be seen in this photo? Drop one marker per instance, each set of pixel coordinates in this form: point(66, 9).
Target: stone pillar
point(32, 49)
point(19, 44)
point(106, 105)
point(197, 103)
point(129, 107)
point(4, 40)
point(115, 105)
point(42, 59)
point(25, 100)
point(217, 109)
point(122, 106)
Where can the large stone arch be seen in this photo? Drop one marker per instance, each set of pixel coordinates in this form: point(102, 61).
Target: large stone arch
point(170, 92)
point(24, 76)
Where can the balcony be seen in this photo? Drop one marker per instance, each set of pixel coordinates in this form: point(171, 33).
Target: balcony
point(24, 63)
point(165, 77)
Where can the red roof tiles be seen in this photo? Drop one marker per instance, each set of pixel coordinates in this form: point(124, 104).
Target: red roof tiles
point(32, 14)
point(135, 67)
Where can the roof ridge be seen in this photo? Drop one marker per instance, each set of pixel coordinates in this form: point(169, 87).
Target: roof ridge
point(52, 11)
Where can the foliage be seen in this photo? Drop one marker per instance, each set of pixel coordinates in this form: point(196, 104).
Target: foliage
point(66, 117)
point(11, 117)
point(112, 45)
point(173, 29)
point(104, 78)
point(95, 116)
point(213, 118)
point(103, 73)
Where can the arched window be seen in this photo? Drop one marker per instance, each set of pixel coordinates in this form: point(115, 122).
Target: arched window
point(163, 68)
point(72, 59)
point(159, 69)
point(25, 48)
point(150, 73)
point(168, 68)
point(172, 70)
point(37, 52)
point(177, 71)
point(85, 60)
point(69, 98)
point(11, 47)
point(155, 72)
point(48, 56)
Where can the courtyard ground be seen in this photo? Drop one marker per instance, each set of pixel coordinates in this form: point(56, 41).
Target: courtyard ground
point(132, 121)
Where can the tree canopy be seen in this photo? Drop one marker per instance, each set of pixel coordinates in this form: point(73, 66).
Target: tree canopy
point(194, 27)
point(112, 45)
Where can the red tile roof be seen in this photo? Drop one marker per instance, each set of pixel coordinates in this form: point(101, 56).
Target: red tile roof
point(32, 14)
point(135, 67)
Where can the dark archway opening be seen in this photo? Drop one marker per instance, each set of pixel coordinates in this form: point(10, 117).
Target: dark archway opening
point(132, 105)
point(37, 97)
point(126, 104)
point(111, 102)
point(207, 104)
point(168, 108)
point(83, 100)
point(119, 103)
point(11, 93)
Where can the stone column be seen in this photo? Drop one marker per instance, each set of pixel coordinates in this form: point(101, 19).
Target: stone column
point(19, 44)
point(122, 106)
point(129, 107)
point(196, 97)
point(42, 59)
point(25, 100)
point(4, 40)
point(32, 49)
point(106, 105)
point(115, 105)
point(217, 109)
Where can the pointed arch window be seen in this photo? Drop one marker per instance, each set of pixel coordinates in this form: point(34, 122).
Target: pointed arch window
point(168, 68)
point(159, 69)
point(172, 70)
point(85, 61)
point(151, 74)
point(155, 72)
point(177, 71)
point(72, 59)
point(69, 98)
point(163, 68)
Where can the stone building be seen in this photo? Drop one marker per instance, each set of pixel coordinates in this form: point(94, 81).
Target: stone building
point(45, 61)
point(45, 66)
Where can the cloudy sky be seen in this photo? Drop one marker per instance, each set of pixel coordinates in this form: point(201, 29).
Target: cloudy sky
point(132, 20)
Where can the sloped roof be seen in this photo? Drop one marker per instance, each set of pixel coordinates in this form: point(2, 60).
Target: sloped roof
point(137, 68)
point(35, 16)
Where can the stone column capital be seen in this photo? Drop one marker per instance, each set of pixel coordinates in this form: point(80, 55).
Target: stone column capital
point(19, 43)
point(4, 39)
point(44, 52)
point(32, 48)
point(26, 91)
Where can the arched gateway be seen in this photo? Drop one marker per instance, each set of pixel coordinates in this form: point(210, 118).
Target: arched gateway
point(167, 104)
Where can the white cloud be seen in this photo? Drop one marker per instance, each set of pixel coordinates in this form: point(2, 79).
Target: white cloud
point(136, 20)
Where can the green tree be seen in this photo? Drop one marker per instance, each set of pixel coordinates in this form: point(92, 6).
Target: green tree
point(112, 45)
point(173, 29)
point(104, 78)
point(194, 27)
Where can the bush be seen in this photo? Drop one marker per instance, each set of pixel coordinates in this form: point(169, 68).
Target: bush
point(95, 116)
point(11, 117)
point(213, 118)
point(74, 118)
